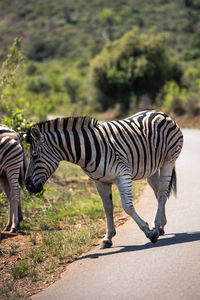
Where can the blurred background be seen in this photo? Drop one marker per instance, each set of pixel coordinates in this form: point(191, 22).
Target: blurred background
point(100, 57)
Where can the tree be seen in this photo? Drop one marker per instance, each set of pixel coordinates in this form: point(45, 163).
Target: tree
point(134, 64)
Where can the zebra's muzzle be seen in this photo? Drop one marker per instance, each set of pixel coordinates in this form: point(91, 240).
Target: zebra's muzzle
point(32, 187)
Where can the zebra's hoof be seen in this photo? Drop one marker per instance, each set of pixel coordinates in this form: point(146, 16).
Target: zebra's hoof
point(105, 244)
point(13, 230)
point(161, 231)
point(154, 237)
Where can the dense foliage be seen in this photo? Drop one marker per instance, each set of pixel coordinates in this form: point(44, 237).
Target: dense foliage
point(60, 39)
point(134, 65)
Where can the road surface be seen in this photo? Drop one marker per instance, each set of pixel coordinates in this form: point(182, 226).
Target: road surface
point(136, 269)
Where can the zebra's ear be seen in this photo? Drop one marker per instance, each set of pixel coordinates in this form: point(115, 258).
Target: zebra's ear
point(36, 134)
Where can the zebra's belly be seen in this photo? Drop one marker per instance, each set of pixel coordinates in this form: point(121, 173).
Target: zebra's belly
point(97, 176)
point(140, 171)
point(145, 172)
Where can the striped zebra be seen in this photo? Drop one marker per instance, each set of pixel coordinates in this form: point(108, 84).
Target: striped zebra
point(12, 172)
point(145, 145)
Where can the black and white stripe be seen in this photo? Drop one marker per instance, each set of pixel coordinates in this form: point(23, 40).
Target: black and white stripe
point(109, 152)
point(12, 164)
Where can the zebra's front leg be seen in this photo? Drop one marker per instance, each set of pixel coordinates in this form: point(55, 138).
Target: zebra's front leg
point(106, 196)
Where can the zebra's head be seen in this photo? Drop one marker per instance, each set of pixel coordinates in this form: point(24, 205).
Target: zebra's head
point(44, 160)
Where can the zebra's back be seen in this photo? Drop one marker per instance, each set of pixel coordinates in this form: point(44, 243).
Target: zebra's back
point(144, 142)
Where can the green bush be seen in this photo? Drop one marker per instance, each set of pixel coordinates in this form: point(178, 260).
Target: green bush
point(72, 87)
point(179, 100)
point(172, 98)
point(136, 64)
point(193, 99)
point(41, 48)
point(31, 69)
point(190, 76)
point(16, 120)
point(37, 85)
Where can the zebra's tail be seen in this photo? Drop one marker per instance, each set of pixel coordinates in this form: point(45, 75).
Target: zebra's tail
point(23, 168)
point(173, 183)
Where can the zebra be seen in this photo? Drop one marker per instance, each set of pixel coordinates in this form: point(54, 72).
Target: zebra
point(145, 145)
point(12, 172)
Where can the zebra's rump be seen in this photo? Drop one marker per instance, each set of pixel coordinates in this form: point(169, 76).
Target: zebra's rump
point(11, 150)
point(8, 133)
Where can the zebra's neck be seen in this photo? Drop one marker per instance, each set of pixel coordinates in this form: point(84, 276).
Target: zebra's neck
point(72, 138)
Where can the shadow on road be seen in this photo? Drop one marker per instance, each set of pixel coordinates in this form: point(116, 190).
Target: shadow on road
point(167, 240)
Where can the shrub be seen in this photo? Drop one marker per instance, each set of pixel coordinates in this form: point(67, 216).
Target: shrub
point(193, 100)
point(179, 100)
point(41, 48)
point(136, 64)
point(37, 85)
point(16, 120)
point(190, 76)
point(31, 69)
point(72, 88)
point(172, 98)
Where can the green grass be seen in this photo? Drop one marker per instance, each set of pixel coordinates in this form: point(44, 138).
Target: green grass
point(59, 225)
point(10, 292)
point(20, 270)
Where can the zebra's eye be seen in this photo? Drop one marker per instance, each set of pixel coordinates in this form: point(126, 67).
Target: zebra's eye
point(35, 154)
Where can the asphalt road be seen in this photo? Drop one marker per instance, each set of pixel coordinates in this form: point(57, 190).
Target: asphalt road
point(136, 269)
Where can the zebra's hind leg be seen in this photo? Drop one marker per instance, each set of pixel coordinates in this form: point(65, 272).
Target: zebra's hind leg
point(162, 194)
point(106, 196)
point(154, 183)
point(125, 188)
point(11, 188)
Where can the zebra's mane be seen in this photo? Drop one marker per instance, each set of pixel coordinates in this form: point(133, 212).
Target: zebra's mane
point(63, 123)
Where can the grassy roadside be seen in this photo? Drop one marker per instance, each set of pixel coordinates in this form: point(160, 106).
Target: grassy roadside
point(59, 225)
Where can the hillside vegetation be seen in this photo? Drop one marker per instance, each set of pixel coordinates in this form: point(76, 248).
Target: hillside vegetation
point(149, 50)
point(74, 29)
